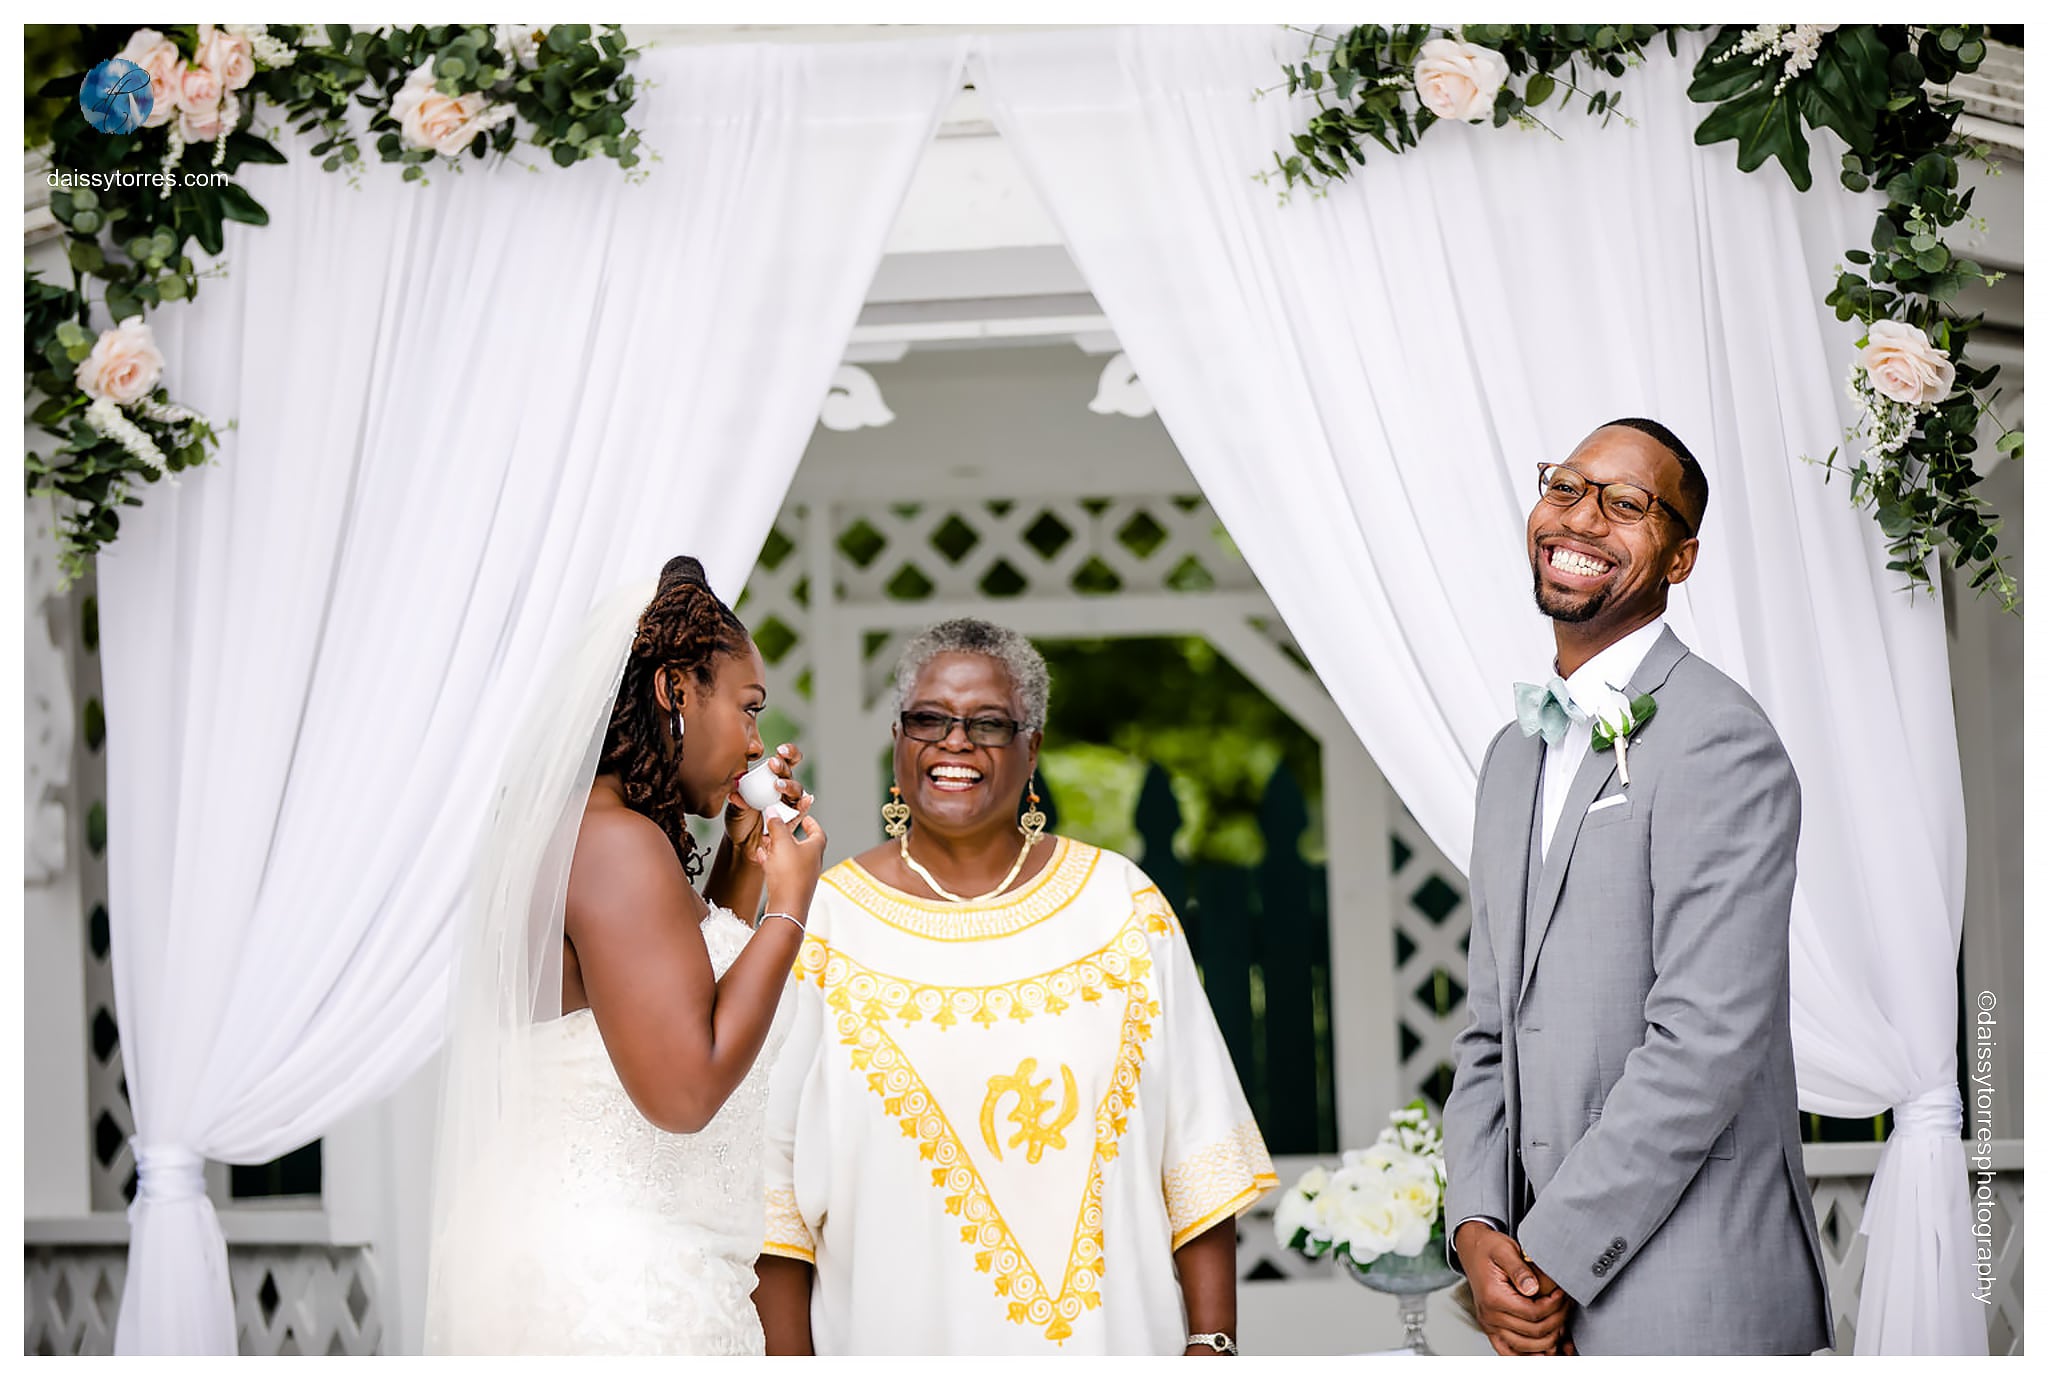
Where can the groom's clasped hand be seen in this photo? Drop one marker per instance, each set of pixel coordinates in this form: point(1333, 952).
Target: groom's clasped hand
point(1521, 1309)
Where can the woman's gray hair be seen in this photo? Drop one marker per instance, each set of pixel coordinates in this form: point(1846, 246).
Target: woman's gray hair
point(1028, 676)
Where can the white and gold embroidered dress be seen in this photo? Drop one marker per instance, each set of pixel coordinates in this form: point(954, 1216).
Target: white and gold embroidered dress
point(993, 1123)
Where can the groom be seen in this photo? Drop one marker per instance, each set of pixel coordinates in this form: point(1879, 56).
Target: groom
point(1622, 1134)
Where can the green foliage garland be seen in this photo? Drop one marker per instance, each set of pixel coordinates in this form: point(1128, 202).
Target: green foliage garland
point(1875, 87)
point(132, 206)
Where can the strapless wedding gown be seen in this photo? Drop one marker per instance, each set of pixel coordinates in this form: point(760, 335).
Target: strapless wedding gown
point(607, 1234)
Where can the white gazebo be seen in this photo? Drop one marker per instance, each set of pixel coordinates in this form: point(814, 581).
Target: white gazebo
point(984, 401)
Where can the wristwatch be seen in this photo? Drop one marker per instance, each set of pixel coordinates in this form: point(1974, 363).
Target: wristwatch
point(1219, 1342)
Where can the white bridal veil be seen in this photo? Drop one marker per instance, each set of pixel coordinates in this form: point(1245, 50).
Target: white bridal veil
point(509, 975)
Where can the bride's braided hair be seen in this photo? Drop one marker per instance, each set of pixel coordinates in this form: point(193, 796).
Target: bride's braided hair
point(684, 630)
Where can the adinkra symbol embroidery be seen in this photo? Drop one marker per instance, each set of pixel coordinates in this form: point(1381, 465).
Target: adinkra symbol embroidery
point(1031, 1110)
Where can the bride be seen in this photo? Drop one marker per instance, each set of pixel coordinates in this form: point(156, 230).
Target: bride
point(598, 1176)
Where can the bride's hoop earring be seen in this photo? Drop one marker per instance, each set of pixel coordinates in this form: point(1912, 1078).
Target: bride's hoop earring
point(895, 814)
point(675, 717)
point(1032, 823)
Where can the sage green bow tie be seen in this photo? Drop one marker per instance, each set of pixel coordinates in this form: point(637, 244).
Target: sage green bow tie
point(1546, 709)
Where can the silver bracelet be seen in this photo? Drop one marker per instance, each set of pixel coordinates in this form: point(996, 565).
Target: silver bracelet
point(784, 915)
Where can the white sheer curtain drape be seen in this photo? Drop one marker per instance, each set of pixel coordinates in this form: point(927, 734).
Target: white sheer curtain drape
point(1364, 385)
point(464, 413)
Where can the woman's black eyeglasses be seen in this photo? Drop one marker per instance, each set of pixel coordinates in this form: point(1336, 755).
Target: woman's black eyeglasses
point(928, 727)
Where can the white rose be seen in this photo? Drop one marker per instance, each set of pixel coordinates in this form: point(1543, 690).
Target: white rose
point(1606, 705)
point(1296, 1212)
point(1905, 366)
point(521, 43)
point(1458, 81)
point(1369, 1227)
point(124, 365)
point(158, 56)
point(446, 124)
point(227, 55)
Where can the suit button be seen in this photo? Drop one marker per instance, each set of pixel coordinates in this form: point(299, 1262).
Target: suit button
point(1618, 1245)
point(1600, 1269)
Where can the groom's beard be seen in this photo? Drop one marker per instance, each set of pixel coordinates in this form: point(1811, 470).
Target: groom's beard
point(1570, 608)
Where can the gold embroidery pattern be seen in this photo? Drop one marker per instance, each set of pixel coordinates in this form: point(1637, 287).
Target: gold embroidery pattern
point(863, 1001)
point(1151, 904)
point(787, 1233)
point(1216, 1181)
point(1030, 1111)
point(848, 986)
point(949, 922)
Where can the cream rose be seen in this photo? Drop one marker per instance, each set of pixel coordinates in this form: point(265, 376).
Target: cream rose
point(199, 90)
point(124, 364)
point(158, 56)
point(1458, 81)
point(1905, 366)
point(446, 124)
point(228, 56)
point(201, 126)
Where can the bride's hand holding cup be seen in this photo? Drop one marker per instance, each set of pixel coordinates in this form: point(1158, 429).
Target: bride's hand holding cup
point(793, 856)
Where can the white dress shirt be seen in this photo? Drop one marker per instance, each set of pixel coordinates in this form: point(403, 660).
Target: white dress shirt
point(1612, 665)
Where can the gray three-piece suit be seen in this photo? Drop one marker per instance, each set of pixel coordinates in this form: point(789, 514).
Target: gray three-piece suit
point(1624, 1099)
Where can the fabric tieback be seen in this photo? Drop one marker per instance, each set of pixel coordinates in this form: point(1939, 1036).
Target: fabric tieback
point(168, 1174)
point(1936, 1112)
point(1546, 709)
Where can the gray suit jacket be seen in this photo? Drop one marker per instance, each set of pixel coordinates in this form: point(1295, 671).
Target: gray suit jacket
point(1624, 1096)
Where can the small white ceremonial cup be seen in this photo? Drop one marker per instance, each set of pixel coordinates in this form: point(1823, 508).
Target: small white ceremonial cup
point(762, 789)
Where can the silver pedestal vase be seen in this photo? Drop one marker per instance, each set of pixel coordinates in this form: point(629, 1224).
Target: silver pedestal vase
point(1411, 1279)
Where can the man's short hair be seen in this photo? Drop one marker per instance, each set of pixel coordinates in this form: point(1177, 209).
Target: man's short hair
point(1692, 483)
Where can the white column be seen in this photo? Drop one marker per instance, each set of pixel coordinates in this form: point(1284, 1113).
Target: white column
point(1364, 1017)
point(847, 804)
point(1986, 649)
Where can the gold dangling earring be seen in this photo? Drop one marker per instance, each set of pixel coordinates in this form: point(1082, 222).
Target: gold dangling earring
point(895, 814)
point(1032, 824)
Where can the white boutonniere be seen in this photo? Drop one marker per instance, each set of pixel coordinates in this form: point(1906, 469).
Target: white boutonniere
point(1616, 720)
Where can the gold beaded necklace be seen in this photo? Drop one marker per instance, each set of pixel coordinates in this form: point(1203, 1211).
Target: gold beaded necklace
point(903, 845)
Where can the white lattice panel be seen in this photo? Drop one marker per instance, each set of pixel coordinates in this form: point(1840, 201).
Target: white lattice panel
point(1838, 1208)
point(289, 1300)
point(111, 1122)
point(996, 548)
point(73, 1299)
point(1431, 925)
point(983, 552)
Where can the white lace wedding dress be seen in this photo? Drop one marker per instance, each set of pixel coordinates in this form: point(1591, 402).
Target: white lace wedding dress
point(603, 1233)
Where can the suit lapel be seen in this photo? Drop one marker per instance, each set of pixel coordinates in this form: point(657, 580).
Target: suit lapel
point(1519, 765)
point(1594, 773)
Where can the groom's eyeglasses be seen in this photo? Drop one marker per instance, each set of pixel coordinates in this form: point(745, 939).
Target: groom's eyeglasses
point(1561, 486)
point(927, 727)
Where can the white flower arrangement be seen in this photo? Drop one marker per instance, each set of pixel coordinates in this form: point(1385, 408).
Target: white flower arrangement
point(1797, 44)
point(1386, 1199)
